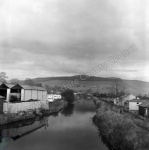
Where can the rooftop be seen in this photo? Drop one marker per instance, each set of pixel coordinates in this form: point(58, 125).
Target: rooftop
point(6, 85)
point(145, 104)
point(137, 100)
point(19, 86)
point(29, 87)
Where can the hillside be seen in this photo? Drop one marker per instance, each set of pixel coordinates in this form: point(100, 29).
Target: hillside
point(95, 83)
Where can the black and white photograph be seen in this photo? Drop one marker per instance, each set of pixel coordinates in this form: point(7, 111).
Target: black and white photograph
point(74, 75)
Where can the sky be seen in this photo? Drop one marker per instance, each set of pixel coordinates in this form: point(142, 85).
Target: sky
point(45, 38)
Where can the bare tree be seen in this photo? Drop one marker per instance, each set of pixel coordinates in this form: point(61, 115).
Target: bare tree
point(3, 77)
point(118, 89)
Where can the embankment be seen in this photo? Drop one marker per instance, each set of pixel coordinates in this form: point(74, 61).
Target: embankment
point(54, 107)
point(119, 131)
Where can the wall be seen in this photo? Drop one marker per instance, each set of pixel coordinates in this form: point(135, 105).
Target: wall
point(39, 93)
point(27, 95)
point(24, 106)
point(33, 94)
point(134, 105)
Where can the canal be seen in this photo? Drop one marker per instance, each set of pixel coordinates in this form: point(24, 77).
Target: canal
point(70, 129)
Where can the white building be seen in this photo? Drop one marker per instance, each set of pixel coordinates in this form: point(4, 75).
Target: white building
point(134, 104)
point(23, 97)
point(53, 97)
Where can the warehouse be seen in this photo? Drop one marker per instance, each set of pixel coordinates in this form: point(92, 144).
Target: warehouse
point(29, 92)
point(23, 97)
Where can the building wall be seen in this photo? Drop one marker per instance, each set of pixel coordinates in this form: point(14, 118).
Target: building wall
point(22, 94)
point(40, 96)
point(27, 95)
point(44, 94)
point(8, 95)
point(34, 94)
point(24, 106)
point(134, 105)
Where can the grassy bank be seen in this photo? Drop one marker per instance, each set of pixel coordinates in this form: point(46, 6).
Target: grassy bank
point(55, 107)
point(120, 131)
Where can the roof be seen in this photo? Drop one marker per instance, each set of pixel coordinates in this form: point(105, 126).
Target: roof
point(6, 86)
point(136, 100)
point(9, 85)
point(127, 95)
point(28, 87)
point(145, 104)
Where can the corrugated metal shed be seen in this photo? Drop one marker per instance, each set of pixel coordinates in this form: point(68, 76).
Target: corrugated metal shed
point(6, 86)
point(145, 104)
point(28, 87)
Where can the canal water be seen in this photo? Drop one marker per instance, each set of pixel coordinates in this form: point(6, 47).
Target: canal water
point(70, 129)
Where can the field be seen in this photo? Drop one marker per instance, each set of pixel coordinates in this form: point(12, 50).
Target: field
point(133, 86)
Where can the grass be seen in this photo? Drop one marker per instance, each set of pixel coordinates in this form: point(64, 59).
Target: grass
point(119, 131)
point(134, 87)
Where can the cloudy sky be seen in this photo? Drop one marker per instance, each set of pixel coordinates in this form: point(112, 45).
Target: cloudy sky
point(43, 38)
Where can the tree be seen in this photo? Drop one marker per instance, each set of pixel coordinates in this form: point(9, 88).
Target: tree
point(3, 77)
point(68, 96)
point(118, 89)
point(48, 88)
point(29, 82)
point(38, 84)
point(14, 81)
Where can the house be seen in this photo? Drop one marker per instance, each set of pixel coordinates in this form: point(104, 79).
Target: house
point(144, 109)
point(53, 97)
point(23, 97)
point(125, 98)
point(133, 104)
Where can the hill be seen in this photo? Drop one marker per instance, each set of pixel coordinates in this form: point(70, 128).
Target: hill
point(94, 83)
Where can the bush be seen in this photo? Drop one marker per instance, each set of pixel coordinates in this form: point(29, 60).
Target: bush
point(68, 95)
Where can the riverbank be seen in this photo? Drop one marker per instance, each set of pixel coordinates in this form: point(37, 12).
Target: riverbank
point(54, 107)
point(120, 131)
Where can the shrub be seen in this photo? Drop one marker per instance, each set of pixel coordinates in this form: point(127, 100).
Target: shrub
point(68, 95)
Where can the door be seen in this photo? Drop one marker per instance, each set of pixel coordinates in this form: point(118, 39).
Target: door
point(146, 111)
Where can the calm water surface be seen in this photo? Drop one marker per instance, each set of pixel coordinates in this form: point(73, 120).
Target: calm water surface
point(71, 129)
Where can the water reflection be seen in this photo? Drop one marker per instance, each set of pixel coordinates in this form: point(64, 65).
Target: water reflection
point(56, 132)
point(20, 129)
point(68, 111)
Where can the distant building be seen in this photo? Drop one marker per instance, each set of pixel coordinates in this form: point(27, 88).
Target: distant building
point(127, 98)
point(133, 104)
point(144, 109)
point(53, 97)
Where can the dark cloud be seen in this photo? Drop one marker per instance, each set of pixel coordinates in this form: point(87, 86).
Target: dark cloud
point(70, 37)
